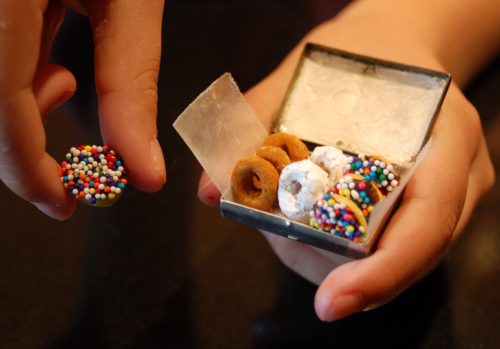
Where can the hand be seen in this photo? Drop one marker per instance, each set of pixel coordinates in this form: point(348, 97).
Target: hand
point(436, 204)
point(127, 38)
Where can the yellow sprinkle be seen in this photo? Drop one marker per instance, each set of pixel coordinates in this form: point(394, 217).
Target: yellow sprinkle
point(92, 191)
point(370, 208)
point(350, 228)
point(311, 222)
point(111, 196)
point(88, 148)
point(331, 202)
point(347, 192)
point(328, 228)
point(316, 225)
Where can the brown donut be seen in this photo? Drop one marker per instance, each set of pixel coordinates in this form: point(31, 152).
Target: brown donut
point(276, 156)
point(292, 145)
point(243, 176)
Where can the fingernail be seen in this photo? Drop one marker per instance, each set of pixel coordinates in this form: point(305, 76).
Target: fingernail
point(51, 210)
point(157, 159)
point(345, 305)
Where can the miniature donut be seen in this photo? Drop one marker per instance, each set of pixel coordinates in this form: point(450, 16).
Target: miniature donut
point(95, 175)
point(339, 216)
point(245, 172)
point(362, 192)
point(301, 184)
point(292, 145)
point(377, 168)
point(330, 159)
point(276, 156)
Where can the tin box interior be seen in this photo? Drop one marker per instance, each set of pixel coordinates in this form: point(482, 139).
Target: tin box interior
point(359, 104)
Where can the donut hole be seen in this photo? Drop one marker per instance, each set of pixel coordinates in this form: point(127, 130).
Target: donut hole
point(256, 183)
point(294, 188)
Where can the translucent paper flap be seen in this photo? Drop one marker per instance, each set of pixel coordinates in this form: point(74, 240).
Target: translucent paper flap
point(220, 128)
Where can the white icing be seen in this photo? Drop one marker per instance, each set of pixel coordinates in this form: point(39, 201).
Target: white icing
point(330, 159)
point(360, 109)
point(301, 184)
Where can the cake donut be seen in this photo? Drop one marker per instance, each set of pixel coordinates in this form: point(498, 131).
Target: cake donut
point(330, 159)
point(252, 168)
point(376, 168)
point(292, 145)
point(301, 184)
point(95, 175)
point(362, 192)
point(339, 216)
point(276, 156)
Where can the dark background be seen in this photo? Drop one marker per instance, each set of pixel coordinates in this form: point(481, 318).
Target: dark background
point(162, 270)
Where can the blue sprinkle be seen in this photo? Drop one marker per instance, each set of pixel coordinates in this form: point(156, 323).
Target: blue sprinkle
point(118, 163)
point(121, 185)
point(366, 200)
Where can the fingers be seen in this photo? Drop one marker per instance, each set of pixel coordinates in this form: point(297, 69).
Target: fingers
point(127, 38)
point(52, 86)
point(25, 167)
point(303, 259)
point(208, 193)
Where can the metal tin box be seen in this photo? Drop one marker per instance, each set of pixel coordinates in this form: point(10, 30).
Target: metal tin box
point(356, 103)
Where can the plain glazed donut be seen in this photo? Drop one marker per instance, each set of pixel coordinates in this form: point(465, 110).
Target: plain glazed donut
point(339, 216)
point(301, 184)
point(95, 175)
point(276, 156)
point(292, 145)
point(245, 172)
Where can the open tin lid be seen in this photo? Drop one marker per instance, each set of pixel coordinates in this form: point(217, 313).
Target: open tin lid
point(356, 103)
point(360, 104)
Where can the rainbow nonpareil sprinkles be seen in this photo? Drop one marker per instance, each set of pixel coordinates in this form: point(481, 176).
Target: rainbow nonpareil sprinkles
point(94, 174)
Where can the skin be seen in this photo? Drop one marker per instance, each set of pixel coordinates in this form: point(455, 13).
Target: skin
point(458, 37)
point(127, 38)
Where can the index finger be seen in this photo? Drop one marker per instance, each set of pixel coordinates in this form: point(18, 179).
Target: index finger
point(127, 38)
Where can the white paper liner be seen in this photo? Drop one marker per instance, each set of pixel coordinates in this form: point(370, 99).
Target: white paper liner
point(220, 128)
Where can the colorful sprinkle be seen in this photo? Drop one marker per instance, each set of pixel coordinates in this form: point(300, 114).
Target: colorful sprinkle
point(93, 173)
point(336, 218)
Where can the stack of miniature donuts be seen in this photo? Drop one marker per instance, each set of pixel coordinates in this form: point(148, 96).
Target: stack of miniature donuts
point(334, 191)
point(94, 174)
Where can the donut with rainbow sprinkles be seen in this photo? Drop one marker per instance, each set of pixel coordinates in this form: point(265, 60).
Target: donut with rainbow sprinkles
point(94, 174)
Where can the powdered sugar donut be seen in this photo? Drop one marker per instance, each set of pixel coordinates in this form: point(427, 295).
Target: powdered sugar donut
point(330, 159)
point(301, 184)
